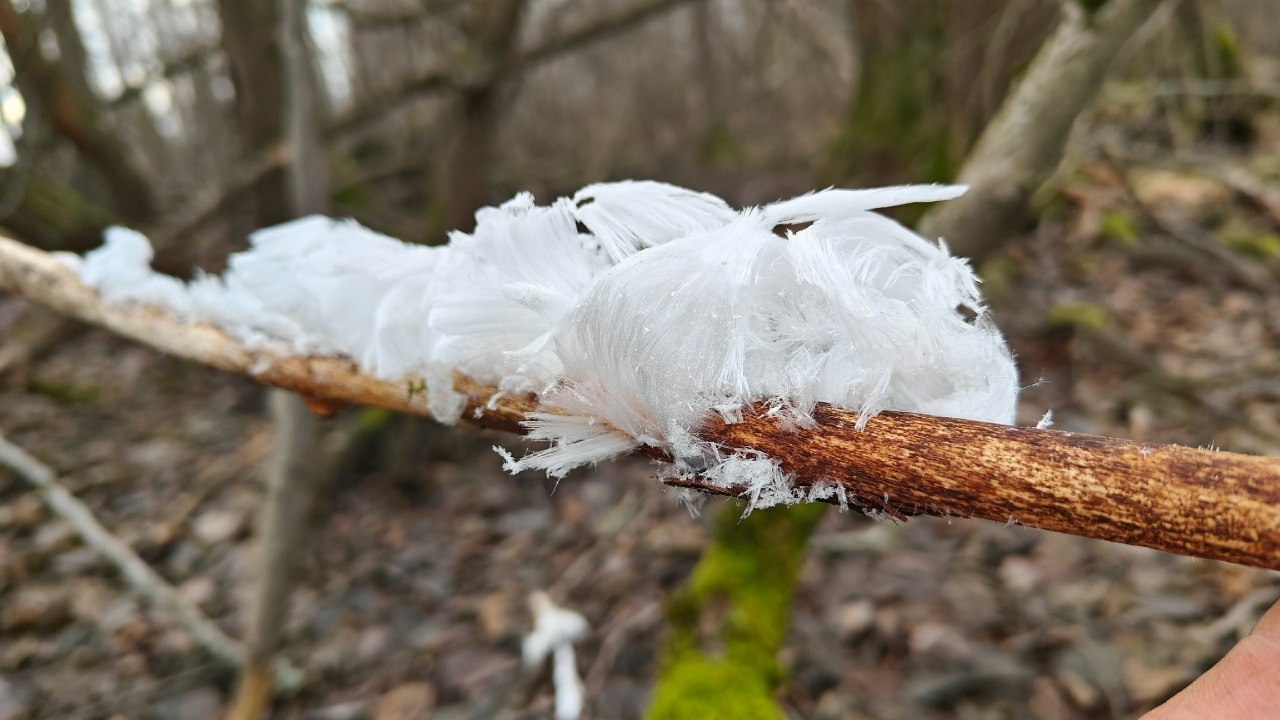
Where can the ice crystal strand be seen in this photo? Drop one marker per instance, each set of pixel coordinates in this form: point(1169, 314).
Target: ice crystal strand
point(641, 308)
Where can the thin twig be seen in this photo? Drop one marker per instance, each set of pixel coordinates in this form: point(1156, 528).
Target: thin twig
point(205, 205)
point(141, 577)
point(1207, 504)
point(441, 79)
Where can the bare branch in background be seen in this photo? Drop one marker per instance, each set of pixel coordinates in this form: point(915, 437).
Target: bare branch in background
point(187, 62)
point(1194, 502)
point(596, 30)
point(374, 108)
point(144, 580)
point(182, 223)
point(364, 18)
point(72, 116)
point(1022, 144)
point(446, 78)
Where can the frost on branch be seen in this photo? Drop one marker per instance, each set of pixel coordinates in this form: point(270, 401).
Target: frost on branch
point(636, 309)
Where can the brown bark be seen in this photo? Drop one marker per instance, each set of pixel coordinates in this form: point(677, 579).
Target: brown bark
point(1203, 503)
point(1194, 502)
point(1023, 143)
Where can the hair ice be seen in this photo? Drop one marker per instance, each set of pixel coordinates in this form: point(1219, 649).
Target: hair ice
point(635, 308)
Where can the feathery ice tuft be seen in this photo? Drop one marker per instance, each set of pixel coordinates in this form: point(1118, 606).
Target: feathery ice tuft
point(636, 309)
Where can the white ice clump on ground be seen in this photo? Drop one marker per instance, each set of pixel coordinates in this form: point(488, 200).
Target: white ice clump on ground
point(555, 630)
point(636, 308)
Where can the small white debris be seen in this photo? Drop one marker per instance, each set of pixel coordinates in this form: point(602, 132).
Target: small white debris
point(1046, 420)
point(555, 629)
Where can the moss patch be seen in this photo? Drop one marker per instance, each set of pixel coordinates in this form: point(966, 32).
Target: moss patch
point(1077, 315)
point(1119, 227)
point(64, 392)
point(1265, 245)
point(696, 687)
point(729, 620)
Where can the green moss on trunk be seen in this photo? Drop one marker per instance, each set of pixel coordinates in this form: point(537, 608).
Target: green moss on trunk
point(730, 618)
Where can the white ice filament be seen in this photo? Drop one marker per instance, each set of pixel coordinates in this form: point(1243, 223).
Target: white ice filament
point(637, 309)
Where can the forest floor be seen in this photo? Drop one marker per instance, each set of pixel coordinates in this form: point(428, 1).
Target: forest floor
point(1145, 305)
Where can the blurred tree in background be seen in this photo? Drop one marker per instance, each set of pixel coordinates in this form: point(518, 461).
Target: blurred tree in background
point(149, 112)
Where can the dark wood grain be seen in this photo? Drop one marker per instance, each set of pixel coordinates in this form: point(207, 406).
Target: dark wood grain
point(1192, 502)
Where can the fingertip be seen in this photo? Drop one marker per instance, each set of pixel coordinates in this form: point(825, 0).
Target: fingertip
point(1244, 685)
point(1269, 625)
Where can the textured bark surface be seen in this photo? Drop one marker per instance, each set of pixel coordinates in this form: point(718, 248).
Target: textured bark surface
point(1193, 502)
point(1204, 503)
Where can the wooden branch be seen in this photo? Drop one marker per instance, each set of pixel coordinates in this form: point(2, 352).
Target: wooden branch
point(334, 381)
point(137, 573)
point(1202, 503)
point(1023, 143)
point(1194, 502)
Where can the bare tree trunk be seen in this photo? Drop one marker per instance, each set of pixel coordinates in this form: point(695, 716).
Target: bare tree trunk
point(1024, 141)
point(271, 61)
point(463, 185)
point(73, 115)
point(282, 523)
point(71, 53)
point(307, 173)
point(253, 53)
